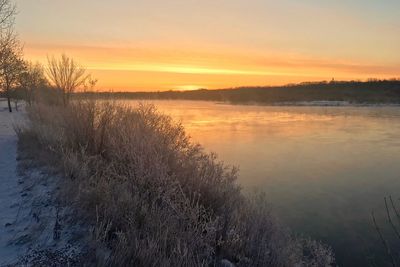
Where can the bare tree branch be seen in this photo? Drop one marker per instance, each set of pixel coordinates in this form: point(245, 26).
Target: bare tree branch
point(8, 11)
point(390, 220)
point(66, 75)
point(394, 208)
point(384, 242)
point(11, 63)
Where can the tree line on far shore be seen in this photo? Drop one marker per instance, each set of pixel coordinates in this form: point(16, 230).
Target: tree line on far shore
point(372, 91)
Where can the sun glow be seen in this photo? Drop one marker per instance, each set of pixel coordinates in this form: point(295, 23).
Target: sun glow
point(162, 45)
point(182, 69)
point(190, 87)
point(154, 68)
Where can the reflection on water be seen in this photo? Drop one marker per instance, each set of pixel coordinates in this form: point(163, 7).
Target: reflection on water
point(324, 168)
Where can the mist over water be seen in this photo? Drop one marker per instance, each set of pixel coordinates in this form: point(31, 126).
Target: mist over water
point(324, 169)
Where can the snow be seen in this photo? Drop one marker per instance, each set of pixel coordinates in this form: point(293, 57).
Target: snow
point(34, 228)
point(10, 196)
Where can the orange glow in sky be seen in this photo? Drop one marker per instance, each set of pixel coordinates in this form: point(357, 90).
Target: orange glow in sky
point(186, 45)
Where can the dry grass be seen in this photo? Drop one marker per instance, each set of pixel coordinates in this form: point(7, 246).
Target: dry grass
point(156, 199)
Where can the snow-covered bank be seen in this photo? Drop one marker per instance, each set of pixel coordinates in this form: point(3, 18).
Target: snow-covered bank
point(34, 229)
point(10, 189)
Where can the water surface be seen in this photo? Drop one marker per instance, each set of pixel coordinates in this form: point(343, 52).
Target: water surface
point(324, 169)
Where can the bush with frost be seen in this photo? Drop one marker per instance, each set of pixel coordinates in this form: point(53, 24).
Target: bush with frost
point(154, 198)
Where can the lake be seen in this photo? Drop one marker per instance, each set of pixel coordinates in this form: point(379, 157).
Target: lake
point(324, 169)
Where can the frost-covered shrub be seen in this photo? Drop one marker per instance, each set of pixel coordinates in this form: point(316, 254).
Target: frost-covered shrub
point(154, 198)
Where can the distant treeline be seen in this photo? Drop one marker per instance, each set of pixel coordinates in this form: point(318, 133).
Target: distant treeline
point(355, 92)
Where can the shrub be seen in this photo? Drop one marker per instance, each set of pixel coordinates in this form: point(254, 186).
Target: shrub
point(155, 198)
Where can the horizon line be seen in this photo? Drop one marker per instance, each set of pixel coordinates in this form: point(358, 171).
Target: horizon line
point(368, 80)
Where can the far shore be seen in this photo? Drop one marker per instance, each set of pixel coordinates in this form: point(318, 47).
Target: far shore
point(334, 93)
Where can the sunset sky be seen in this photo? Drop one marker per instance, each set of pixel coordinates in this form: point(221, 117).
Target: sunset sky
point(151, 45)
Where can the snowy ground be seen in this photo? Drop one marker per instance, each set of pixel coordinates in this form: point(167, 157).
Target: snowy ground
point(10, 196)
point(34, 229)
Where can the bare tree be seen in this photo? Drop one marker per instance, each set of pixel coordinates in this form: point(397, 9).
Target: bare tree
point(7, 15)
point(11, 65)
point(66, 75)
point(89, 84)
point(10, 49)
point(31, 80)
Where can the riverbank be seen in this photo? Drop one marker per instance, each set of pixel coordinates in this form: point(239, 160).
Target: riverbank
point(135, 176)
point(34, 228)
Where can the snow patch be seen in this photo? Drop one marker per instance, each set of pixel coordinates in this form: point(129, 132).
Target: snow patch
point(34, 228)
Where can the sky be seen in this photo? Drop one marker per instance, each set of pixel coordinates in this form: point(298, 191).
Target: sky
point(157, 45)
